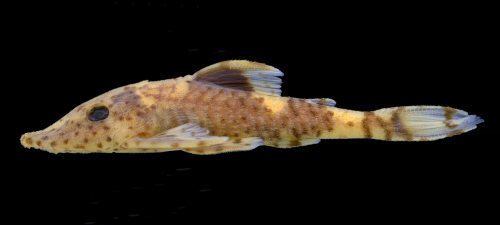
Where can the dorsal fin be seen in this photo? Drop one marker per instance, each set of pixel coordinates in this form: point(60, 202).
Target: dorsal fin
point(243, 75)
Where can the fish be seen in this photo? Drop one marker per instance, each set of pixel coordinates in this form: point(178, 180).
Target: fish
point(231, 106)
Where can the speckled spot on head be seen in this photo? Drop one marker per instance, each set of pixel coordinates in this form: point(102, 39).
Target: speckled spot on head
point(85, 140)
point(108, 139)
point(53, 144)
point(39, 143)
point(45, 138)
point(65, 141)
point(201, 143)
point(350, 123)
point(29, 141)
point(99, 145)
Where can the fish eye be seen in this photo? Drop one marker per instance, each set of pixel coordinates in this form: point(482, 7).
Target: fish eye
point(98, 113)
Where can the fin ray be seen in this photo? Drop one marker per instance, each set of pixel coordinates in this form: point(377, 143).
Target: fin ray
point(232, 145)
point(243, 75)
point(188, 135)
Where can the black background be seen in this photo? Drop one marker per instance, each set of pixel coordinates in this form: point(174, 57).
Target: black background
point(365, 56)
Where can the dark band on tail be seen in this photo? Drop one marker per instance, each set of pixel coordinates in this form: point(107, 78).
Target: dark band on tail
point(371, 119)
point(399, 126)
point(417, 123)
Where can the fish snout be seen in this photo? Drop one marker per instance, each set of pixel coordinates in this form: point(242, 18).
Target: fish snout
point(27, 140)
point(39, 139)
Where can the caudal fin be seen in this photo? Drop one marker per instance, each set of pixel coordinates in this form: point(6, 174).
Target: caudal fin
point(426, 123)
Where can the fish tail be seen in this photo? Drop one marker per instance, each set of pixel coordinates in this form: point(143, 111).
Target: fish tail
point(417, 123)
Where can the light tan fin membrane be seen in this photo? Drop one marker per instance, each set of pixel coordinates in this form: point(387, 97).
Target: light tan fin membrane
point(188, 135)
point(243, 75)
point(292, 143)
point(322, 101)
point(232, 145)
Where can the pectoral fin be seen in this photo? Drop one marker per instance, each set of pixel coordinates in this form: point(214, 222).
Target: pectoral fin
point(232, 145)
point(189, 135)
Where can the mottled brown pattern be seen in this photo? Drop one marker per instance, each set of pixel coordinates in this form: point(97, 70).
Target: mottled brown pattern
point(222, 99)
point(238, 114)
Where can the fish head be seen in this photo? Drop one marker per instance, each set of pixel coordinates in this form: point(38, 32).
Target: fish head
point(102, 124)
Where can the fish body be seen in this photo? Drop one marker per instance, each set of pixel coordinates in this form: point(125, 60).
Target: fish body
point(230, 106)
